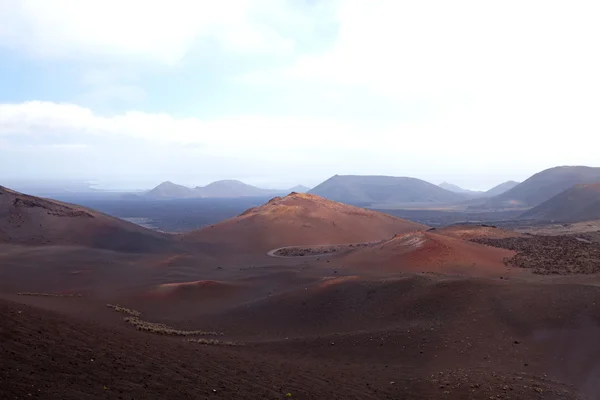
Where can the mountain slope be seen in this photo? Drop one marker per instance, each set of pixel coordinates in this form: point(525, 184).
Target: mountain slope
point(457, 189)
point(501, 188)
point(299, 189)
point(545, 185)
point(231, 188)
point(170, 190)
point(32, 220)
point(453, 188)
point(427, 251)
point(358, 189)
point(217, 189)
point(302, 219)
point(580, 203)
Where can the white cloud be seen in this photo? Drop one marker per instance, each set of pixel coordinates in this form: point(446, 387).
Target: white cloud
point(162, 31)
point(431, 46)
point(463, 140)
point(513, 82)
point(510, 86)
point(242, 136)
point(527, 62)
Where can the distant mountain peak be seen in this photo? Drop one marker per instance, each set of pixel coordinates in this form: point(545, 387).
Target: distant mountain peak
point(228, 181)
point(169, 189)
point(457, 189)
point(373, 189)
point(454, 188)
point(546, 184)
point(501, 188)
point(167, 183)
point(299, 189)
point(225, 188)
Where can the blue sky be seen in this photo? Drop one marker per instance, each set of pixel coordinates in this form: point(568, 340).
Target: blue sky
point(279, 93)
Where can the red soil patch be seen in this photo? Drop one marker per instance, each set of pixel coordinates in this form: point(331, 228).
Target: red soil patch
point(202, 291)
point(332, 281)
point(469, 232)
point(176, 260)
point(429, 252)
point(174, 289)
point(593, 187)
point(32, 220)
point(302, 219)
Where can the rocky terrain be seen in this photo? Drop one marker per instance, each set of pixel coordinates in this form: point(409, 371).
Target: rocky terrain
point(545, 255)
point(301, 219)
point(357, 305)
point(307, 251)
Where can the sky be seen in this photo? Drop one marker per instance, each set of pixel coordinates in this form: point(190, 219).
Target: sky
point(276, 93)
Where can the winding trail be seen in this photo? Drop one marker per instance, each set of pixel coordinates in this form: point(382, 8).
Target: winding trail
point(339, 248)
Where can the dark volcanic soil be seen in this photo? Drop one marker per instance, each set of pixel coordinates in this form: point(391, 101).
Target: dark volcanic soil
point(312, 251)
point(422, 315)
point(50, 356)
point(545, 255)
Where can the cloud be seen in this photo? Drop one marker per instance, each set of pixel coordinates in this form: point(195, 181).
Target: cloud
point(238, 136)
point(462, 140)
point(512, 55)
point(160, 31)
point(387, 87)
point(505, 83)
point(432, 46)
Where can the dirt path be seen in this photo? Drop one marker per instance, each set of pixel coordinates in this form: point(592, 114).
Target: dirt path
point(316, 250)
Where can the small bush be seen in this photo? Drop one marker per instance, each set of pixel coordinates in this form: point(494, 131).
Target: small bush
point(124, 310)
point(213, 342)
point(50, 294)
point(155, 327)
point(163, 329)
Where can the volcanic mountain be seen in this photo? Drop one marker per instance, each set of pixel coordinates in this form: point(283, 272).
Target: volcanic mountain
point(170, 190)
point(580, 203)
point(33, 220)
point(217, 189)
point(231, 188)
point(501, 188)
point(299, 189)
point(302, 219)
point(545, 185)
point(495, 191)
point(457, 189)
point(367, 190)
point(429, 252)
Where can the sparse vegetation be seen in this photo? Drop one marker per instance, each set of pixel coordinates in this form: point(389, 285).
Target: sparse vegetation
point(155, 327)
point(124, 310)
point(213, 342)
point(299, 251)
point(50, 294)
point(162, 329)
point(544, 255)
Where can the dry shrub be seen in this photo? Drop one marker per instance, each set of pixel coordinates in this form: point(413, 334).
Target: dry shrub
point(163, 329)
point(213, 342)
point(562, 255)
point(49, 294)
point(124, 310)
point(155, 327)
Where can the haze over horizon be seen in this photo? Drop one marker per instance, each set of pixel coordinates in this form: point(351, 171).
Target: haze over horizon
point(281, 93)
